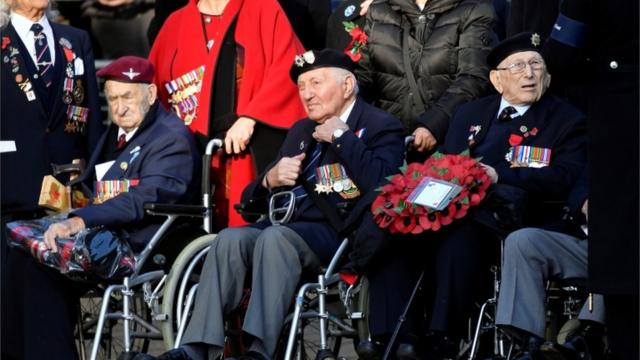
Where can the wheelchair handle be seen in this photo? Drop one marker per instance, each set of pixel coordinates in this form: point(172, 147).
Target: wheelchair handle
point(212, 145)
point(281, 215)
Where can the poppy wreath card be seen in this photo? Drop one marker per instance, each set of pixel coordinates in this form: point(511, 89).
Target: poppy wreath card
point(393, 211)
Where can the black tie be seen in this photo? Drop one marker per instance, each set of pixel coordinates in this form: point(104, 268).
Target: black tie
point(505, 114)
point(43, 56)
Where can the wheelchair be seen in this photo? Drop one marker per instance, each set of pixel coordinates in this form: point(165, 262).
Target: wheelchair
point(144, 302)
point(563, 301)
point(325, 313)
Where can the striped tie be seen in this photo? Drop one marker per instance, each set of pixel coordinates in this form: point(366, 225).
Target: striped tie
point(43, 56)
point(309, 171)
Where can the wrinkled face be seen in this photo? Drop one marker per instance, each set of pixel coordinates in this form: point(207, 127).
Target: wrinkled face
point(521, 87)
point(28, 6)
point(129, 102)
point(324, 93)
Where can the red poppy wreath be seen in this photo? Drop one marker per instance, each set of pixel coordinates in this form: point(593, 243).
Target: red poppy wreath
point(392, 210)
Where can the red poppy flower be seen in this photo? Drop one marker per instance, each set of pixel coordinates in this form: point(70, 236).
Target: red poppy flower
point(515, 139)
point(5, 42)
point(68, 54)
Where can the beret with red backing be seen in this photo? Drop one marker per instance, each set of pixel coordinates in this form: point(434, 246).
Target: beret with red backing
point(131, 69)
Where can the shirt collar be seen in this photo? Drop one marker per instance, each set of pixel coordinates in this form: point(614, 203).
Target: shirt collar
point(521, 109)
point(23, 25)
point(345, 114)
point(127, 135)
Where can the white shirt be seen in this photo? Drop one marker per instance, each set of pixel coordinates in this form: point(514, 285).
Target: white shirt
point(23, 28)
point(521, 109)
point(127, 135)
point(345, 115)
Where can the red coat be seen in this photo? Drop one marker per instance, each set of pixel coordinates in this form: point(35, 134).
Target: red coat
point(266, 93)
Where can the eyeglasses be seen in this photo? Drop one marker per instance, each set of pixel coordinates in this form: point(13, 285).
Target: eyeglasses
point(520, 66)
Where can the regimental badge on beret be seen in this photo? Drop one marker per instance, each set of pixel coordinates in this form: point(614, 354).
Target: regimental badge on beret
point(349, 10)
point(535, 39)
point(309, 57)
point(315, 59)
point(130, 74)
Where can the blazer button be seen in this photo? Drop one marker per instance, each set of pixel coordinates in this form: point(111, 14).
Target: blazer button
point(613, 64)
point(35, 76)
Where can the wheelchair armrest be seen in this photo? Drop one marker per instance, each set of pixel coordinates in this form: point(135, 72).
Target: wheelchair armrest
point(175, 209)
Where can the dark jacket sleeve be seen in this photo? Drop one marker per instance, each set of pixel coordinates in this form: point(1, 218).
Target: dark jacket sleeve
point(369, 163)
point(472, 76)
point(164, 177)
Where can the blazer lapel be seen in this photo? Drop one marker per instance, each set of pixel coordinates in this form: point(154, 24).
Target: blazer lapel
point(58, 83)
point(17, 69)
point(485, 121)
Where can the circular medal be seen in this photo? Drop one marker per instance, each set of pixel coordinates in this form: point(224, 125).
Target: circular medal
point(66, 97)
point(78, 94)
point(346, 184)
point(523, 128)
point(337, 186)
point(124, 165)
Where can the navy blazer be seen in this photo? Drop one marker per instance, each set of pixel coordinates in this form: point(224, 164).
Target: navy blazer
point(561, 128)
point(367, 159)
point(161, 156)
point(38, 125)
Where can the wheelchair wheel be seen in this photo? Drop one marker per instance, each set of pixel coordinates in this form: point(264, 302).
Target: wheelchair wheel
point(112, 341)
point(184, 273)
point(348, 321)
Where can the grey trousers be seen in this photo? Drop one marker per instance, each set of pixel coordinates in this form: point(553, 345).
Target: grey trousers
point(277, 255)
point(531, 257)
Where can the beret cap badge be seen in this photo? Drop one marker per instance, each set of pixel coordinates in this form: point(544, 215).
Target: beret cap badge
point(535, 39)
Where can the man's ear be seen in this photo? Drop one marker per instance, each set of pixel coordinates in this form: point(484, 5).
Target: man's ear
point(350, 85)
point(153, 93)
point(494, 77)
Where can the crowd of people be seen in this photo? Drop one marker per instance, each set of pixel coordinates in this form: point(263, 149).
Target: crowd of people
point(317, 97)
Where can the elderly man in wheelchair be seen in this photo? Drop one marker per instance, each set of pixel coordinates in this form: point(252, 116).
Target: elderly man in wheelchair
point(147, 149)
point(532, 256)
point(333, 159)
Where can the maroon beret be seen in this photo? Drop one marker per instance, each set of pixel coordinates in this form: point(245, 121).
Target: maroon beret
point(130, 69)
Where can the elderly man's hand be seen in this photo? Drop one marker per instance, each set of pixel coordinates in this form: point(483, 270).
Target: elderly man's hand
point(284, 173)
point(63, 229)
point(238, 135)
point(491, 172)
point(424, 139)
point(114, 3)
point(585, 209)
point(364, 7)
point(324, 131)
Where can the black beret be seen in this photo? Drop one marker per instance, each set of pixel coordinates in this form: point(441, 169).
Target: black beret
point(316, 59)
point(526, 41)
point(131, 69)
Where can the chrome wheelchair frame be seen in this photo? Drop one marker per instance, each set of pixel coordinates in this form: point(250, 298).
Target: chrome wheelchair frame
point(152, 282)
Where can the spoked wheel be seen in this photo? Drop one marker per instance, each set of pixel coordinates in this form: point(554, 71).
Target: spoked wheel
point(346, 321)
point(307, 340)
point(184, 274)
point(112, 340)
